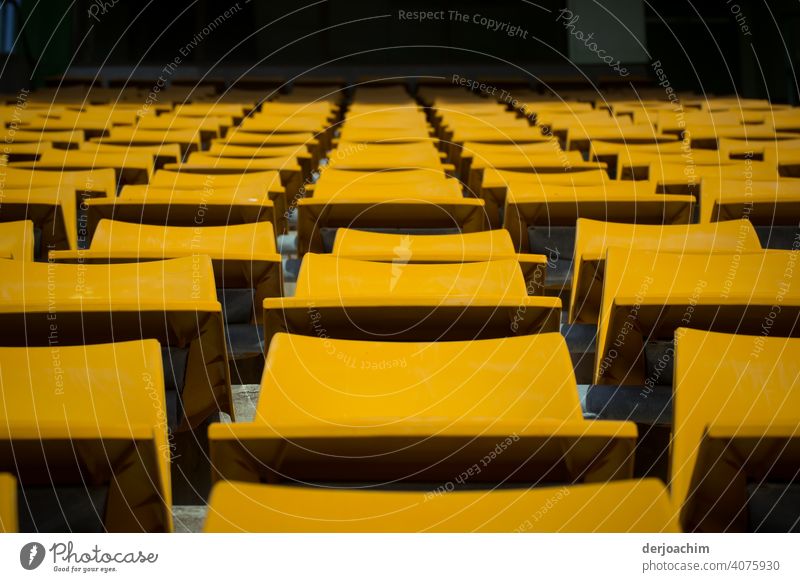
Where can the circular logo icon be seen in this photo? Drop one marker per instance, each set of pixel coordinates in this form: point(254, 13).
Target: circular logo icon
point(31, 555)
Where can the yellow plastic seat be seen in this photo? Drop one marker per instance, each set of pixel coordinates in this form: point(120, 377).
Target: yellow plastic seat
point(188, 140)
point(593, 239)
point(311, 107)
point(546, 205)
point(562, 164)
point(581, 137)
point(764, 203)
point(173, 301)
point(206, 186)
point(708, 136)
point(208, 127)
point(736, 424)
point(689, 178)
point(635, 165)
point(206, 110)
point(91, 183)
point(492, 135)
point(91, 128)
point(401, 249)
point(380, 135)
point(101, 116)
point(162, 154)
point(25, 152)
point(67, 423)
point(286, 167)
point(129, 167)
point(359, 299)
point(414, 199)
point(374, 411)
point(243, 256)
point(362, 157)
point(278, 124)
point(609, 152)
point(471, 149)
point(265, 140)
point(184, 207)
point(50, 210)
point(648, 295)
point(16, 239)
point(496, 182)
point(9, 522)
point(304, 154)
point(614, 507)
point(678, 122)
point(59, 139)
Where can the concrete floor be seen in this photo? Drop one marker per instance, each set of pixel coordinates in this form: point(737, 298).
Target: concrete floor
point(190, 518)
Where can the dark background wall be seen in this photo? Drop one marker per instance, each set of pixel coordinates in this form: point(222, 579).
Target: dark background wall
point(700, 43)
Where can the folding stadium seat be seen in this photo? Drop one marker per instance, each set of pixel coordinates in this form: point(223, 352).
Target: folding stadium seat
point(735, 450)
point(402, 249)
point(267, 183)
point(617, 506)
point(635, 165)
point(277, 124)
point(399, 201)
point(25, 152)
point(541, 218)
point(188, 140)
point(234, 137)
point(16, 240)
point(91, 128)
point(58, 139)
point(708, 136)
point(372, 157)
point(391, 301)
point(173, 301)
point(688, 177)
point(677, 123)
point(452, 128)
point(593, 238)
point(52, 212)
point(784, 121)
point(9, 521)
point(493, 135)
point(333, 411)
point(286, 167)
point(129, 167)
point(326, 109)
point(87, 443)
point(208, 127)
point(209, 110)
point(470, 150)
point(559, 123)
point(169, 153)
point(544, 108)
point(773, 206)
point(186, 206)
point(108, 115)
point(374, 117)
point(247, 269)
point(301, 154)
point(581, 137)
point(244, 256)
point(390, 135)
point(496, 183)
point(560, 163)
point(82, 185)
point(609, 152)
point(734, 103)
point(648, 295)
